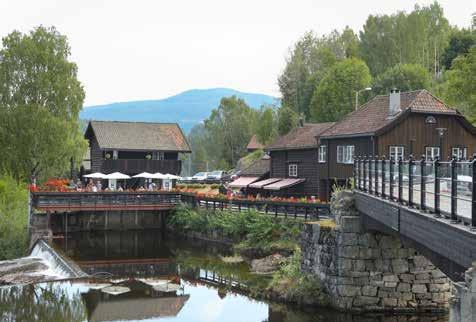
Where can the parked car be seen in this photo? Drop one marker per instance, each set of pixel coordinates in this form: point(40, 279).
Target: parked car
point(200, 176)
point(216, 175)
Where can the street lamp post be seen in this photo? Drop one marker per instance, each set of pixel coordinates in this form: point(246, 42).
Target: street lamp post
point(441, 133)
point(357, 96)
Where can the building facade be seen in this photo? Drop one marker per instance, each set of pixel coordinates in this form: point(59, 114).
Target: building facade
point(134, 147)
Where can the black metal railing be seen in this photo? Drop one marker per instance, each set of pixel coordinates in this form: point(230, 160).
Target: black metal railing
point(444, 188)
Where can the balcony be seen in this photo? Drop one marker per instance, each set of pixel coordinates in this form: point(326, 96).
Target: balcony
point(134, 166)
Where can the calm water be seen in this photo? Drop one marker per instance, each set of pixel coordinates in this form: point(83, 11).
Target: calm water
point(158, 278)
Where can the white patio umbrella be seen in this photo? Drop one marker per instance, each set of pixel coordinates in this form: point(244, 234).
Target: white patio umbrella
point(113, 177)
point(172, 176)
point(145, 175)
point(95, 175)
point(158, 175)
point(117, 176)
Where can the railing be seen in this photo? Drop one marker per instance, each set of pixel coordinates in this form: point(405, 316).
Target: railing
point(140, 165)
point(303, 210)
point(444, 188)
point(104, 200)
point(92, 201)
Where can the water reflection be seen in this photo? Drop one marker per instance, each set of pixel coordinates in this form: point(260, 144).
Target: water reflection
point(148, 276)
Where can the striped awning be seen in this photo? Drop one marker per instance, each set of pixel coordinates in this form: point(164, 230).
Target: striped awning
point(262, 183)
point(243, 182)
point(283, 184)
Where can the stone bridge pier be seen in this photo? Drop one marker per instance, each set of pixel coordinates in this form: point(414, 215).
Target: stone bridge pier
point(463, 303)
point(371, 271)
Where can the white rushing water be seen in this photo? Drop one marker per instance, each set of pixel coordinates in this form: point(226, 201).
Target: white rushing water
point(57, 268)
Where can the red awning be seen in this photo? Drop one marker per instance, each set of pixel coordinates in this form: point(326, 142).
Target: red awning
point(284, 183)
point(262, 183)
point(243, 182)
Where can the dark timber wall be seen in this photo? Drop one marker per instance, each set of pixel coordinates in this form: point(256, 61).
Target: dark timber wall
point(306, 160)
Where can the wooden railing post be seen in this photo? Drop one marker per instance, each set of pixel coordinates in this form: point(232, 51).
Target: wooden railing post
point(422, 183)
point(436, 174)
point(410, 181)
point(454, 190)
point(400, 180)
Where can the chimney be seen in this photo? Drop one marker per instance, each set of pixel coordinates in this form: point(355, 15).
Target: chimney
point(394, 102)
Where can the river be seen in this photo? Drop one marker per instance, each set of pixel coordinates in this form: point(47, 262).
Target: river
point(148, 276)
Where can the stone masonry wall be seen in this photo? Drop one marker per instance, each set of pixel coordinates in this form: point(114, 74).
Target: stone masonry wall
point(365, 271)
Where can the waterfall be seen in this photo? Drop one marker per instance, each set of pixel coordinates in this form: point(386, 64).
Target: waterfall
point(57, 265)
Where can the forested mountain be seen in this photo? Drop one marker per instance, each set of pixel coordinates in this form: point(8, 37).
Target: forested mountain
point(188, 108)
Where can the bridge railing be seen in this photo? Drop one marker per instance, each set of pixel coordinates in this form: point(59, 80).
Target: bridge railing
point(444, 188)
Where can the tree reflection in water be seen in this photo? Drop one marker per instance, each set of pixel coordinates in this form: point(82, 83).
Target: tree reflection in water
point(41, 302)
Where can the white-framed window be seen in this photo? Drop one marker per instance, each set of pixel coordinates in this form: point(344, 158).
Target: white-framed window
point(345, 154)
point(396, 152)
point(115, 154)
point(157, 155)
point(292, 170)
point(432, 152)
point(459, 152)
point(322, 154)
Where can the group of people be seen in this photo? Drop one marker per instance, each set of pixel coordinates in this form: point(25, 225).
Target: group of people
point(96, 186)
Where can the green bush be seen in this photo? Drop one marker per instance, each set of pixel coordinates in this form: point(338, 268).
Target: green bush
point(13, 218)
point(252, 229)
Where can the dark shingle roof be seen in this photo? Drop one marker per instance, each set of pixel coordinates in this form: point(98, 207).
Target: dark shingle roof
point(254, 144)
point(300, 137)
point(139, 136)
point(258, 168)
point(373, 115)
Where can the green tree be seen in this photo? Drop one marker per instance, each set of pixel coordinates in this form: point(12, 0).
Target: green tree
point(229, 129)
point(287, 120)
point(335, 95)
point(405, 77)
point(460, 42)
point(461, 84)
point(40, 100)
point(266, 126)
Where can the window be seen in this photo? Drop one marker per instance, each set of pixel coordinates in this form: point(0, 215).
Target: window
point(293, 170)
point(115, 155)
point(459, 153)
point(432, 152)
point(430, 120)
point(396, 152)
point(157, 155)
point(345, 154)
point(322, 154)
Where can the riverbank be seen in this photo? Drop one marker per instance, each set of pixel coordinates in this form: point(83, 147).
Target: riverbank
point(270, 246)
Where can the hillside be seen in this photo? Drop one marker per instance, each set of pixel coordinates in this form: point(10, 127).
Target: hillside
point(187, 108)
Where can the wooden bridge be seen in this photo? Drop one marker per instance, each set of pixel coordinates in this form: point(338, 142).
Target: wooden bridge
point(69, 202)
point(430, 204)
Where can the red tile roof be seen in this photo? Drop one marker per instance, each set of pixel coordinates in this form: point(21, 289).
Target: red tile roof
point(254, 144)
point(300, 137)
point(373, 115)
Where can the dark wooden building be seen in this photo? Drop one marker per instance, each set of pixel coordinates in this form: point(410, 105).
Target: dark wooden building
point(397, 125)
point(294, 160)
point(135, 147)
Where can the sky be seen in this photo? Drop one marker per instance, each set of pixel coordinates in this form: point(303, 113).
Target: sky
point(138, 49)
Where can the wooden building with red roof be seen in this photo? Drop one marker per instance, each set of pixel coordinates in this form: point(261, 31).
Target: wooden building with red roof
point(395, 126)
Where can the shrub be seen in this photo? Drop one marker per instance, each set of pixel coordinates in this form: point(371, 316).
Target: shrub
point(13, 218)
